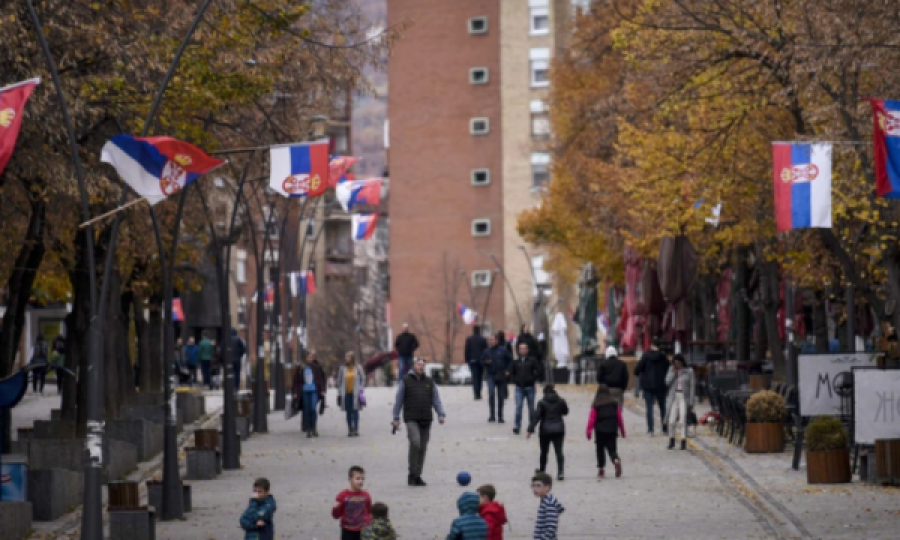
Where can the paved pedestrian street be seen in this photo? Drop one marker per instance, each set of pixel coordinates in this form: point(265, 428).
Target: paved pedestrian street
point(711, 491)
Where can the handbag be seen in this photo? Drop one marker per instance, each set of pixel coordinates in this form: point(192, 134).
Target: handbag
point(362, 399)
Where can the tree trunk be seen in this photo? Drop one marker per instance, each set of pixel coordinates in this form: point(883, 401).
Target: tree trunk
point(742, 310)
point(770, 287)
point(152, 373)
point(77, 332)
point(18, 289)
point(142, 332)
point(820, 322)
point(111, 337)
point(126, 368)
point(892, 305)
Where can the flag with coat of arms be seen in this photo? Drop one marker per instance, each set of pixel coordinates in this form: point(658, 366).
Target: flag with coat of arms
point(802, 182)
point(12, 103)
point(299, 169)
point(886, 141)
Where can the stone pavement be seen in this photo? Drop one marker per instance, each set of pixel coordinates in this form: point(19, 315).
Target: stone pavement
point(710, 491)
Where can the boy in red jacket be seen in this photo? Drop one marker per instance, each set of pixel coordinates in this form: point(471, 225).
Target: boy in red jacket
point(353, 506)
point(492, 512)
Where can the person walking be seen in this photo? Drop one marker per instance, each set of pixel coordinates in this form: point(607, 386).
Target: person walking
point(523, 373)
point(406, 345)
point(534, 348)
point(58, 361)
point(191, 356)
point(605, 422)
point(474, 354)
point(613, 372)
point(350, 384)
point(238, 350)
point(497, 362)
point(417, 395)
point(307, 388)
point(205, 353)
point(652, 369)
point(680, 383)
point(549, 414)
point(40, 359)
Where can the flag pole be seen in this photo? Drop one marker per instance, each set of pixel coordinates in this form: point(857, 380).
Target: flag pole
point(111, 212)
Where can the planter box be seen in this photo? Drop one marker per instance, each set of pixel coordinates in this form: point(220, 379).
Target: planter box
point(828, 467)
point(764, 438)
point(759, 382)
point(154, 496)
point(887, 461)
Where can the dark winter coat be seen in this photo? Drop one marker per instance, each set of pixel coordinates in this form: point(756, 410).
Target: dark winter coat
point(406, 344)
point(549, 414)
point(475, 347)
point(259, 510)
point(613, 373)
point(498, 361)
point(524, 372)
point(652, 370)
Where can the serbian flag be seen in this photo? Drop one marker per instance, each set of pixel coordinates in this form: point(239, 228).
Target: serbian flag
point(468, 315)
point(177, 310)
point(299, 169)
point(303, 282)
point(886, 140)
point(338, 168)
point(802, 179)
point(12, 101)
point(359, 192)
point(363, 226)
point(270, 293)
point(156, 167)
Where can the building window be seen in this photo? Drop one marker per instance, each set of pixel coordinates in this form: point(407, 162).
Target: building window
point(481, 177)
point(581, 7)
point(481, 227)
point(240, 266)
point(540, 20)
point(481, 278)
point(478, 25)
point(242, 312)
point(540, 67)
point(479, 126)
point(341, 145)
point(478, 75)
point(540, 170)
point(540, 120)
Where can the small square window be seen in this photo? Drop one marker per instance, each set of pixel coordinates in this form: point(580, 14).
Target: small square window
point(481, 227)
point(540, 170)
point(540, 21)
point(478, 25)
point(479, 126)
point(540, 73)
point(540, 125)
point(481, 177)
point(481, 278)
point(478, 75)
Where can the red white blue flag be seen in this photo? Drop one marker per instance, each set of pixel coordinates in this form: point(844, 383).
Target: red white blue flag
point(363, 226)
point(303, 282)
point(337, 169)
point(12, 102)
point(156, 167)
point(299, 169)
point(802, 181)
point(468, 315)
point(359, 192)
point(177, 310)
point(886, 140)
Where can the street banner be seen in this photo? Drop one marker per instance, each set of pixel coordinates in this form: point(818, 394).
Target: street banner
point(886, 142)
point(802, 181)
point(363, 226)
point(819, 376)
point(156, 167)
point(299, 169)
point(12, 102)
point(876, 405)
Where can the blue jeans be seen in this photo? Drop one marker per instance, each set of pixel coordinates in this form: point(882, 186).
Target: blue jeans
point(659, 396)
point(405, 365)
point(521, 395)
point(352, 413)
point(205, 369)
point(310, 414)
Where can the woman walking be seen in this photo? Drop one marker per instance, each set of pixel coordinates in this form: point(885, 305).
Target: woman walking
point(605, 422)
point(350, 384)
point(680, 384)
point(549, 414)
point(40, 357)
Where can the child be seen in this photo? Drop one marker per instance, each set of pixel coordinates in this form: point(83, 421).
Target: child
point(353, 506)
point(547, 524)
point(605, 418)
point(380, 528)
point(469, 525)
point(492, 512)
point(258, 518)
point(549, 414)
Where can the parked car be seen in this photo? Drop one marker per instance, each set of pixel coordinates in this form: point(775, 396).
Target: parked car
point(460, 374)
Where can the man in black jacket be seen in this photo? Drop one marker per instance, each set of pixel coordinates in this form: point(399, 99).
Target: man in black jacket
point(417, 395)
point(524, 372)
point(652, 369)
point(613, 372)
point(406, 345)
point(534, 348)
point(497, 362)
point(475, 347)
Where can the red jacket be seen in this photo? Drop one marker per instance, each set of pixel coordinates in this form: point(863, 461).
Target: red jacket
point(495, 516)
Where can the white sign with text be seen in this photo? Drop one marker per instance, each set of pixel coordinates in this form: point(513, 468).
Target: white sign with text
point(876, 405)
point(820, 375)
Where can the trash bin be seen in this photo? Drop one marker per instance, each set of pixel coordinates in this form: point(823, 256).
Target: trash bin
point(14, 478)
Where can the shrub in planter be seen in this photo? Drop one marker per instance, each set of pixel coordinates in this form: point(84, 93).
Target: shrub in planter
point(765, 417)
point(827, 453)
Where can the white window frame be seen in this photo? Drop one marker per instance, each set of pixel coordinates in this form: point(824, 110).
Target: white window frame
point(535, 13)
point(476, 222)
point(240, 266)
point(487, 177)
point(487, 125)
point(474, 31)
point(539, 61)
point(474, 70)
point(540, 159)
point(482, 278)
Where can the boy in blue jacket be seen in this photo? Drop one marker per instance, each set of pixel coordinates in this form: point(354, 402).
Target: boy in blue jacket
point(259, 517)
point(469, 525)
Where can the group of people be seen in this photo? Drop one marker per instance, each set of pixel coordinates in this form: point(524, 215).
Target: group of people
point(205, 357)
point(481, 516)
point(45, 357)
point(309, 388)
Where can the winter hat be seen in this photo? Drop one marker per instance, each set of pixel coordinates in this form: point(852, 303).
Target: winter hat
point(611, 351)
